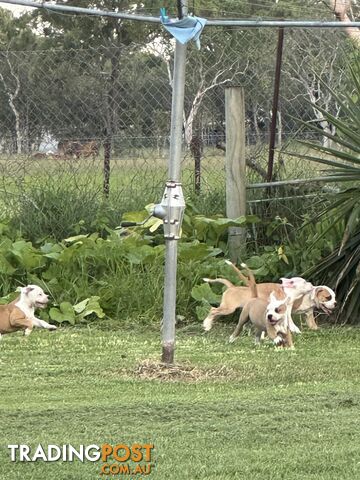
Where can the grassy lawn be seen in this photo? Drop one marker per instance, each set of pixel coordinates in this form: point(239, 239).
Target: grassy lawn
point(226, 412)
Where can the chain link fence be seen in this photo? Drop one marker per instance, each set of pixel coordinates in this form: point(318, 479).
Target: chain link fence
point(97, 120)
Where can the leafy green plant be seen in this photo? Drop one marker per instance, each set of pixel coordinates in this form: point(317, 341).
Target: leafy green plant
point(66, 312)
point(211, 231)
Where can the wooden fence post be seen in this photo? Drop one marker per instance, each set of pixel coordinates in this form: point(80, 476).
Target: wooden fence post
point(235, 168)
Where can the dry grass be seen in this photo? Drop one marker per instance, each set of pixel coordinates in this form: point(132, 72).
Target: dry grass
point(152, 370)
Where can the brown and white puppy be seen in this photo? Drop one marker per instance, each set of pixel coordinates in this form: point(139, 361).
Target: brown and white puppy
point(321, 297)
point(20, 314)
point(236, 297)
point(268, 316)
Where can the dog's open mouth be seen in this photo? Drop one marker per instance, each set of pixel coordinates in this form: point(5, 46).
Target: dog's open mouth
point(273, 321)
point(326, 310)
point(41, 304)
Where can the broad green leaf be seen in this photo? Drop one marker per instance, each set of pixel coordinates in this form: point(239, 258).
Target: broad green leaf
point(65, 313)
point(204, 293)
point(137, 217)
point(75, 239)
point(158, 222)
point(93, 307)
point(255, 262)
point(80, 307)
point(202, 311)
point(197, 251)
point(26, 255)
point(8, 298)
point(6, 267)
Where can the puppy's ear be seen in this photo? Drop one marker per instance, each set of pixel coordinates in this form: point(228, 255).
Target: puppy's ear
point(272, 297)
point(27, 290)
point(318, 291)
point(322, 294)
point(287, 282)
point(287, 300)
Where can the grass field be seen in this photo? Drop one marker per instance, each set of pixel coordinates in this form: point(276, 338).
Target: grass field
point(225, 412)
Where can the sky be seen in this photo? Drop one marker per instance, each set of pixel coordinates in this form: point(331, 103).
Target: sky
point(16, 9)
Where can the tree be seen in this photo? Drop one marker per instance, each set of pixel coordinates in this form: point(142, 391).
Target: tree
point(311, 61)
point(16, 39)
point(343, 10)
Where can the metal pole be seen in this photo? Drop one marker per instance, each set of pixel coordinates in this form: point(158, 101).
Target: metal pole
point(219, 23)
point(281, 23)
point(275, 104)
point(169, 314)
point(301, 181)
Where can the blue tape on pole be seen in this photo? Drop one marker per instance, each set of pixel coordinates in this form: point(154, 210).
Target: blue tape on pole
point(186, 29)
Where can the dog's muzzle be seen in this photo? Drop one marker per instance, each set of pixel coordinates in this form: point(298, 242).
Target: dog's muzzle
point(41, 304)
point(272, 320)
point(327, 310)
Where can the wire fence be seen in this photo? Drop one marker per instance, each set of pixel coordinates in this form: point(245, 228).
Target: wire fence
point(99, 118)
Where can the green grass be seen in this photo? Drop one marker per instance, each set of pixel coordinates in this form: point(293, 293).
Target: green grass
point(49, 197)
point(240, 414)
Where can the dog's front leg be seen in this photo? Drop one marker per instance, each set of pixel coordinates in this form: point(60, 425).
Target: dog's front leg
point(310, 320)
point(289, 340)
point(274, 335)
point(42, 324)
point(258, 336)
point(244, 317)
point(27, 331)
point(290, 322)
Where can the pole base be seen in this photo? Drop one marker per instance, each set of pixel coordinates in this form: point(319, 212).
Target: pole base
point(168, 353)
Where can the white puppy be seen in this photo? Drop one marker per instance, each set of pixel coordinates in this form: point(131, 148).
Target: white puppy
point(20, 314)
point(321, 297)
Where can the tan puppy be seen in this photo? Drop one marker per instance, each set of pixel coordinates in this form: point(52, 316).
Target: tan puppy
point(19, 314)
point(266, 316)
point(236, 297)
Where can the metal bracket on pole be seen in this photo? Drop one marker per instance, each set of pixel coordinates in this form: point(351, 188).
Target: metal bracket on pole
point(170, 210)
point(173, 203)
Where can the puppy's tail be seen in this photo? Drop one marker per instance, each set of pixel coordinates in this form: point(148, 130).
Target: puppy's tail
point(240, 274)
point(249, 280)
point(225, 282)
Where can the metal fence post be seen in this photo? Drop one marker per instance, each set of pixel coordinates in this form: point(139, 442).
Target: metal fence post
point(275, 105)
point(169, 315)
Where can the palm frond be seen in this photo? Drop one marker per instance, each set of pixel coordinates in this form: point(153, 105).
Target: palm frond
point(342, 159)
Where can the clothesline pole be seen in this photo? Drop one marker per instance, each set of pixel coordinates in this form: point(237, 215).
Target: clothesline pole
point(174, 177)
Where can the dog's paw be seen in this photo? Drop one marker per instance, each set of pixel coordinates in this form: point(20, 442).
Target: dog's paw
point(294, 329)
point(232, 339)
point(207, 324)
point(52, 327)
point(278, 340)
